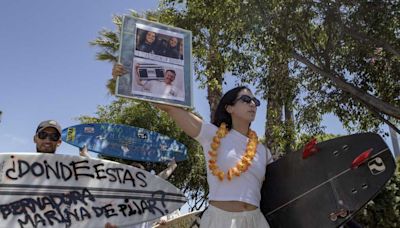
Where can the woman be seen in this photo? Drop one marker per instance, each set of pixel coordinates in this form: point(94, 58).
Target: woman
point(236, 162)
point(148, 43)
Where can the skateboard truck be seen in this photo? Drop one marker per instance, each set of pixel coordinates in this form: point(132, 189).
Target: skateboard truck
point(340, 213)
point(360, 159)
point(310, 148)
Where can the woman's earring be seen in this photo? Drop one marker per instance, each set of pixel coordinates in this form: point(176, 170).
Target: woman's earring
point(228, 109)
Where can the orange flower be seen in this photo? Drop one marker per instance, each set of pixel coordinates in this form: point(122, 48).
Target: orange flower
point(212, 166)
point(215, 172)
point(221, 175)
point(236, 171)
point(214, 146)
point(251, 154)
point(240, 166)
point(246, 160)
point(216, 140)
point(213, 153)
point(229, 175)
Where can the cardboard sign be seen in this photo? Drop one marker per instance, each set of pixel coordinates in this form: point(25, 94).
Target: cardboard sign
point(46, 190)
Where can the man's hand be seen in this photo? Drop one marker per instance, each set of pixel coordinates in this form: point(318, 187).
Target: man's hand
point(109, 225)
point(84, 152)
point(172, 163)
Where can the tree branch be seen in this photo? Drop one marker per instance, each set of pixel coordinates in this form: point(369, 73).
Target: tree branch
point(363, 37)
point(379, 116)
point(355, 92)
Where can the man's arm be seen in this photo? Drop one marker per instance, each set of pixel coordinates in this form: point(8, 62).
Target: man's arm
point(169, 170)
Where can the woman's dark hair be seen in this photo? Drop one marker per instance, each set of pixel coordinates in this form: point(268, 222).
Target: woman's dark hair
point(221, 115)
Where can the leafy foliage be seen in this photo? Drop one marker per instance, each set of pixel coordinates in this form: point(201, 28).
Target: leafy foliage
point(306, 58)
point(190, 175)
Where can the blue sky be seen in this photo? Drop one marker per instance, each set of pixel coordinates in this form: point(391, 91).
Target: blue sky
point(49, 71)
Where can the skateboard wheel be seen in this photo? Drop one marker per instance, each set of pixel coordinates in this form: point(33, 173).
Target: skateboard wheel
point(333, 217)
point(343, 213)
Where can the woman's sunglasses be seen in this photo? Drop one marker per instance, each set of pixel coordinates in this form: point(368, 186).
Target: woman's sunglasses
point(52, 136)
point(248, 99)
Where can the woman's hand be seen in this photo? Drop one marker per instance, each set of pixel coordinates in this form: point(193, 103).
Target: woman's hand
point(118, 70)
point(163, 107)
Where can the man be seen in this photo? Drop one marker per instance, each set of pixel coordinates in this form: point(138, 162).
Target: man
point(172, 50)
point(47, 137)
point(164, 89)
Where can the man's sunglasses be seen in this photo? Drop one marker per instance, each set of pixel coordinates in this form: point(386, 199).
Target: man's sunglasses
point(52, 136)
point(248, 99)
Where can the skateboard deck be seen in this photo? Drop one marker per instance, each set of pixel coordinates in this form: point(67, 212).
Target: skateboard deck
point(125, 142)
point(49, 190)
point(188, 220)
point(329, 185)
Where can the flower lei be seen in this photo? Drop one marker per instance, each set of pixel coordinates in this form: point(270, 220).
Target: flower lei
point(242, 165)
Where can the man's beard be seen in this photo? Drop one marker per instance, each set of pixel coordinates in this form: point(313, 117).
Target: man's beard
point(47, 152)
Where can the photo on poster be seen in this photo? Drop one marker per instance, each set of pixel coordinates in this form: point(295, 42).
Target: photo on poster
point(160, 80)
point(158, 60)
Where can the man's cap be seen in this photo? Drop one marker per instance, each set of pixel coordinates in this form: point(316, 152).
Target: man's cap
point(49, 123)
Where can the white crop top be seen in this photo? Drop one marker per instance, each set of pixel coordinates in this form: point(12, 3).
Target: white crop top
point(246, 187)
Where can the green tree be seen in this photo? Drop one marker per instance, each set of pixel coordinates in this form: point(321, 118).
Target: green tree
point(224, 42)
point(312, 46)
point(190, 175)
point(306, 58)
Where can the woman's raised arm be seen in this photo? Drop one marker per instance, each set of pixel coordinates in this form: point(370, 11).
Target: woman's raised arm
point(187, 121)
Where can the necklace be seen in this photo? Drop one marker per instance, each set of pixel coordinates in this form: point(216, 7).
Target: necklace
point(242, 165)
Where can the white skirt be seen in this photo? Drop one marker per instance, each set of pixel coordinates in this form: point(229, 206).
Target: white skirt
point(214, 217)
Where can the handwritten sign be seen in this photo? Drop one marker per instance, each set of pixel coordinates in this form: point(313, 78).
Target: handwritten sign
point(38, 190)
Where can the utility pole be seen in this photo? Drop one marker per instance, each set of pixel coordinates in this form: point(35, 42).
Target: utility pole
point(0, 115)
point(395, 142)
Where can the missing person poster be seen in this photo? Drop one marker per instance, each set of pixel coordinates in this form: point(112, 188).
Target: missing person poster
point(158, 62)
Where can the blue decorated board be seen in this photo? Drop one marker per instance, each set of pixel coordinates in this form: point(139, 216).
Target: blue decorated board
point(125, 142)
